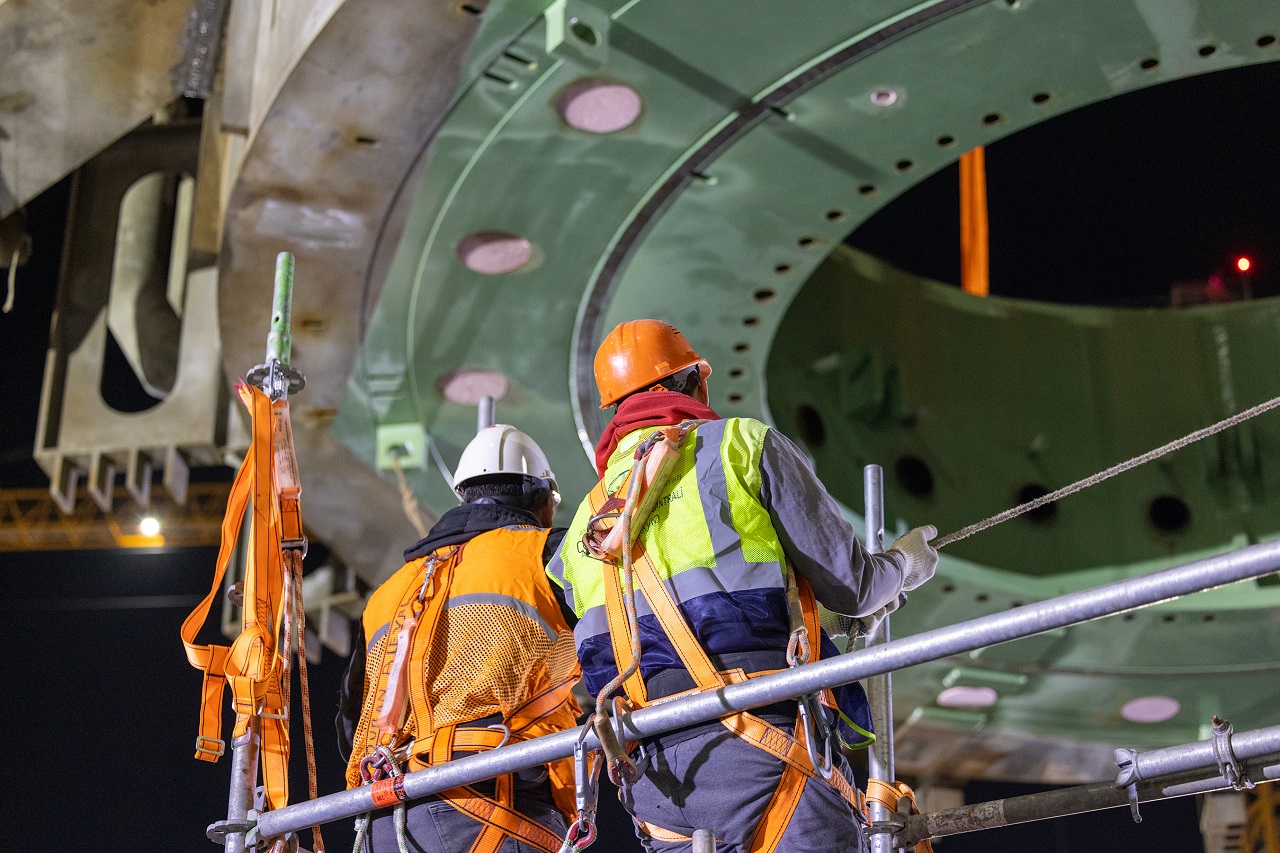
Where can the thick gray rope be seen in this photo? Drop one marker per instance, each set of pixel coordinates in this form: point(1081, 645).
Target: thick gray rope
point(964, 533)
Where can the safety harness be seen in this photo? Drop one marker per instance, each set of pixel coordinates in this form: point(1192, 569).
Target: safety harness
point(614, 518)
point(257, 663)
point(383, 754)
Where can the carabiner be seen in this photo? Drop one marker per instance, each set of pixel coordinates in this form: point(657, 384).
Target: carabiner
point(814, 720)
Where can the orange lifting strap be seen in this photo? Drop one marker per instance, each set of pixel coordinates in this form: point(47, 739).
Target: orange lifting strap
point(974, 240)
point(253, 664)
point(791, 751)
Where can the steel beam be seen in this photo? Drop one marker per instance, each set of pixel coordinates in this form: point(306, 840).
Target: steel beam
point(1117, 597)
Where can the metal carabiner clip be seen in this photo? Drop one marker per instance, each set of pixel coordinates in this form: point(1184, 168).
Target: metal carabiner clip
point(814, 720)
point(586, 780)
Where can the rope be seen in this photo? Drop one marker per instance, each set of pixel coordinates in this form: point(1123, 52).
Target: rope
point(408, 500)
point(13, 280)
point(1178, 444)
point(293, 561)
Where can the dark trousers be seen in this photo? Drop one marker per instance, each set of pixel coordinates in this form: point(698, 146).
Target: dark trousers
point(718, 781)
point(434, 826)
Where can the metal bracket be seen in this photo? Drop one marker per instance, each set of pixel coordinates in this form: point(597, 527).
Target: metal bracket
point(1228, 764)
point(891, 826)
point(1126, 760)
point(218, 831)
point(1133, 803)
point(578, 32)
point(277, 380)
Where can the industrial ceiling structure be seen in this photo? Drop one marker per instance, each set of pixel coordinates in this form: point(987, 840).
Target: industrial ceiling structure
point(477, 192)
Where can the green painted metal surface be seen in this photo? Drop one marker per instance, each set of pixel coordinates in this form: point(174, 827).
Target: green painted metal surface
point(760, 146)
point(974, 405)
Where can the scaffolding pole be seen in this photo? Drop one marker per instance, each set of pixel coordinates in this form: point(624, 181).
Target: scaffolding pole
point(879, 687)
point(1201, 779)
point(1061, 612)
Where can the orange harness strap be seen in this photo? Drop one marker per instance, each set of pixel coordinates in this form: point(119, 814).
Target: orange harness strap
point(890, 795)
point(771, 739)
point(252, 663)
point(497, 814)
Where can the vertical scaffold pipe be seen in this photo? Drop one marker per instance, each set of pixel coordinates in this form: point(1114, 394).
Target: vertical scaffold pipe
point(244, 780)
point(279, 339)
point(486, 413)
point(879, 687)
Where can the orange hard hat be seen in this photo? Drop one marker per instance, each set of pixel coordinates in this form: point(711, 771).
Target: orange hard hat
point(638, 354)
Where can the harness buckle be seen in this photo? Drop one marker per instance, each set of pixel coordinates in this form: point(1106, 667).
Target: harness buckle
point(218, 752)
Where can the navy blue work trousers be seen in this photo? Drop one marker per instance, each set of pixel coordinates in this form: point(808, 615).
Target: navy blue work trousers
point(434, 826)
point(718, 781)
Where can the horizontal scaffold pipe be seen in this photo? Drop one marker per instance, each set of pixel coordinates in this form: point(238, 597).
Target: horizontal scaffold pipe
point(1175, 759)
point(1078, 800)
point(1074, 608)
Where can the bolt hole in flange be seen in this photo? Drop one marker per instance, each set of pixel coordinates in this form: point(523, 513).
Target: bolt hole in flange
point(812, 429)
point(1041, 98)
point(1149, 64)
point(1169, 514)
point(1266, 40)
point(584, 32)
point(914, 476)
point(1208, 50)
point(1042, 514)
point(764, 294)
point(993, 119)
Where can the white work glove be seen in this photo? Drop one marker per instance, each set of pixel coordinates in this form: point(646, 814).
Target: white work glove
point(919, 559)
point(865, 626)
point(854, 627)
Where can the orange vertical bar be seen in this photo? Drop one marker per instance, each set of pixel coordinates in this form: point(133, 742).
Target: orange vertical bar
point(975, 275)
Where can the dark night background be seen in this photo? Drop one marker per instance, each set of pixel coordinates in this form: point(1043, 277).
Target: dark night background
point(1109, 205)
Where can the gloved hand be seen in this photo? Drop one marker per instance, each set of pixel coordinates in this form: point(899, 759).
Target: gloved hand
point(865, 626)
point(919, 558)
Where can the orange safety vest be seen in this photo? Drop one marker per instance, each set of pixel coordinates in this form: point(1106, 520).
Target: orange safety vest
point(798, 769)
point(489, 639)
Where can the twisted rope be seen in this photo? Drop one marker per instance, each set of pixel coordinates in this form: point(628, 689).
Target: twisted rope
point(293, 563)
point(1178, 444)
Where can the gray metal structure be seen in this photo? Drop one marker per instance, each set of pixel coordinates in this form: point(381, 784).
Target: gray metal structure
point(879, 687)
point(1244, 564)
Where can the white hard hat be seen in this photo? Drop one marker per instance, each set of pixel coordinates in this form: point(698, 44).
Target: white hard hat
point(503, 449)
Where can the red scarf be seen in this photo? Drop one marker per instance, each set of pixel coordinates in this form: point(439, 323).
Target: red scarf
point(648, 408)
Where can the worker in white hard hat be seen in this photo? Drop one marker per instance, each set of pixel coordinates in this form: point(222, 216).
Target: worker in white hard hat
point(464, 649)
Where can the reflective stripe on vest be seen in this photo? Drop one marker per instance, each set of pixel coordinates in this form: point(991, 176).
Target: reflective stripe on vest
point(505, 659)
point(709, 532)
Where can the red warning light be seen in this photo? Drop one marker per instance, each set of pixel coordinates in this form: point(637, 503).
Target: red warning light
point(1243, 264)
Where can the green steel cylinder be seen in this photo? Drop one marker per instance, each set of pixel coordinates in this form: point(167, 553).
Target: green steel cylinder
point(279, 341)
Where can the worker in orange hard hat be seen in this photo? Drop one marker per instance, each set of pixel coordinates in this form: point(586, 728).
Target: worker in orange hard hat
point(741, 542)
point(465, 649)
